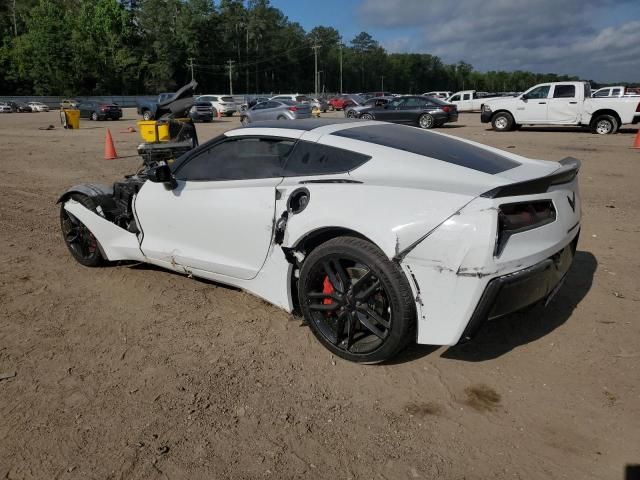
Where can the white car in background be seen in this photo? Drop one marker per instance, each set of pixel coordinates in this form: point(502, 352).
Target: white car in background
point(617, 91)
point(5, 108)
point(441, 94)
point(225, 104)
point(379, 234)
point(38, 107)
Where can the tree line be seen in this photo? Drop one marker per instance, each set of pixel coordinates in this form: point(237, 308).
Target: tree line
point(129, 47)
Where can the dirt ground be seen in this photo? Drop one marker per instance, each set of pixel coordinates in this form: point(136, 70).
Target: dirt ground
point(131, 372)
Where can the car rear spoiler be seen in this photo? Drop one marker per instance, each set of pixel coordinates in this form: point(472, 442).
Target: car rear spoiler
point(568, 170)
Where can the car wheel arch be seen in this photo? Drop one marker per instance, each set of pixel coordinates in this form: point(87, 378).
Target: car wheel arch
point(306, 244)
point(612, 113)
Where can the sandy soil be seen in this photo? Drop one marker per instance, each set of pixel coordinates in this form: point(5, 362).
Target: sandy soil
point(136, 373)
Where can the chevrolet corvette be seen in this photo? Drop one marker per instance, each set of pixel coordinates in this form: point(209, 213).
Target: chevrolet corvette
point(378, 234)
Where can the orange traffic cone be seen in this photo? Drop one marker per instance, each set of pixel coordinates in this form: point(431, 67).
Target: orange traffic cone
point(218, 115)
point(636, 142)
point(109, 148)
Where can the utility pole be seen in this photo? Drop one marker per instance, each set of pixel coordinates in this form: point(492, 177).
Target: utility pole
point(340, 45)
point(15, 21)
point(315, 48)
point(190, 65)
point(231, 62)
point(382, 83)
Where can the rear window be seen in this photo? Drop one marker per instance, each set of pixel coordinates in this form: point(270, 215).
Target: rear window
point(564, 91)
point(226, 99)
point(431, 145)
point(315, 159)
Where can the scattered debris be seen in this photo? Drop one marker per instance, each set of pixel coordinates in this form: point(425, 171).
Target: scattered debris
point(618, 294)
point(50, 127)
point(163, 449)
point(610, 206)
point(482, 397)
point(7, 375)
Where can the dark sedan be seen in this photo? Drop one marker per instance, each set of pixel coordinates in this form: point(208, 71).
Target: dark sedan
point(20, 107)
point(100, 111)
point(426, 112)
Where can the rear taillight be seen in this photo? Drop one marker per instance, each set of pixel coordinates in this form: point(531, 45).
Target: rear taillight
point(293, 109)
point(519, 217)
point(446, 108)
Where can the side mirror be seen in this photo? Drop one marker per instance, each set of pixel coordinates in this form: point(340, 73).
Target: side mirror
point(524, 97)
point(161, 174)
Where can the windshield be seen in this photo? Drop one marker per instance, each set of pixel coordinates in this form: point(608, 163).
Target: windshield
point(357, 98)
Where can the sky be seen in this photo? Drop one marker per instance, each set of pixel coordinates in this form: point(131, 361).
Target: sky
point(593, 39)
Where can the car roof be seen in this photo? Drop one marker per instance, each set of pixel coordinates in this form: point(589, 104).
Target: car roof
point(306, 124)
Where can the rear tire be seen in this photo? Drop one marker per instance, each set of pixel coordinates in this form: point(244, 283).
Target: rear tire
point(502, 122)
point(281, 117)
point(604, 125)
point(366, 116)
point(426, 121)
point(228, 114)
point(356, 301)
point(81, 243)
point(146, 115)
point(244, 121)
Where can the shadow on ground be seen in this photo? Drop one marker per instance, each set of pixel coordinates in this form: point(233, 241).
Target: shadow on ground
point(503, 335)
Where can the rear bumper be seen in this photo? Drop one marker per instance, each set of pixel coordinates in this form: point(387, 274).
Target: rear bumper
point(201, 115)
point(516, 291)
point(636, 119)
point(485, 117)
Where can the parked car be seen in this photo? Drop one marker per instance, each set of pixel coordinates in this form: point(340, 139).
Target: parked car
point(469, 100)
point(353, 224)
point(343, 101)
point(69, 103)
point(38, 107)
point(276, 110)
point(425, 112)
point(148, 108)
point(95, 110)
point(20, 107)
point(225, 104)
point(617, 91)
point(5, 107)
point(202, 112)
point(353, 111)
point(441, 94)
point(561, 103)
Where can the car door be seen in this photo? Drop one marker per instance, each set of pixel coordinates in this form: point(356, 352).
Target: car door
point(532, 105)
point(85, 109)
point(389, 112)
point(466, 102)
point(258, 111)
point(410, 109)
point(219, 217)
point(563, 106)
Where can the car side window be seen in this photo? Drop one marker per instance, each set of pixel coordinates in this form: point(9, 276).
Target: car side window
point(564, 91)
point(466, 96)
point(260, 106)
point(455, 98)
point(237, 159)
point(309, 158)
point(615, 92)
point(540, 92)
point(273, 105)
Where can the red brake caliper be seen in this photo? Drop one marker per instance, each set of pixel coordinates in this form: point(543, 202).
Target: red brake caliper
point(327, 289)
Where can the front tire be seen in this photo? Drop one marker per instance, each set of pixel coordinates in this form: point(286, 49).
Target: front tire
point(357, 302)
point(94, 116)
point(81, 243)
point(244, 121)
point(146, 115)
point(502, 122)
point(366, 116)
point(604, 125)
point(426, 121)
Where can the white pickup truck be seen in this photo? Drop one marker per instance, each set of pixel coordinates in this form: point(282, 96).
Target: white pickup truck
point(469, 100)
point(561, 103)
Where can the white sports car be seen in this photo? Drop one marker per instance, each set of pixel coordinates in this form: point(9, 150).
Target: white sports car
point(379, 234)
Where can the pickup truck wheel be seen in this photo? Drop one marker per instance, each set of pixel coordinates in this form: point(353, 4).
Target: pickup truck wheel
point(502, 122)
point(146, 115)
point(604, 124)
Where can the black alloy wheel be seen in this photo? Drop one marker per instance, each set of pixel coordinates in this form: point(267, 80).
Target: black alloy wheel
point(82, 244)
point(356, 301)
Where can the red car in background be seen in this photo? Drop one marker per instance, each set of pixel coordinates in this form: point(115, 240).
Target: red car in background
point(343, 101)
